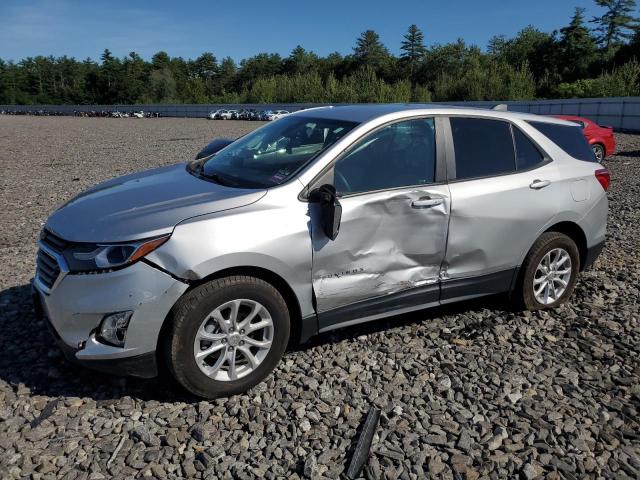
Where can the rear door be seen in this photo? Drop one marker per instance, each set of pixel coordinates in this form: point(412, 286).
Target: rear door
point(503, 191)
point(392, 238)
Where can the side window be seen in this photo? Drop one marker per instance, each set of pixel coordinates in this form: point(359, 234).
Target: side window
point(482, 147)
point(398, 155)
point(527, 154)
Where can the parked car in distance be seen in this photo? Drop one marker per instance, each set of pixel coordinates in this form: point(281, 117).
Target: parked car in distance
point(139, 114)
point(324, 219)
point(228, 114)
point(252, 114)
point(600, 137)
point(264, 114)
point(276, 115)
point(214, 114)
point(242, 114)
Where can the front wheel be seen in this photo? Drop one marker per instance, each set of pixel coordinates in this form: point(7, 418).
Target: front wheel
point(226, 336)
point(549, 272)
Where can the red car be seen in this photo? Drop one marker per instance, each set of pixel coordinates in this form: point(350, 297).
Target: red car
point(600, 138)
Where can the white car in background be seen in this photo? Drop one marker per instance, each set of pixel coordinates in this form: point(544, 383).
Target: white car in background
point(228, 114)
point(139, 114)
point(215, 114)
point(277, 114)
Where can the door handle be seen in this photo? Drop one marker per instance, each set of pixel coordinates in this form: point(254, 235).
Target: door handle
point(426, 202)
point(538, 184)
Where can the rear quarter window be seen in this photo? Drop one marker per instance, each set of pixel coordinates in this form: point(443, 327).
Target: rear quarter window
point(527, 154)
point(568, 138)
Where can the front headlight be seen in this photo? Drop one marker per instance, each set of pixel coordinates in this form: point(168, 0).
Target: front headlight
point(92, 257)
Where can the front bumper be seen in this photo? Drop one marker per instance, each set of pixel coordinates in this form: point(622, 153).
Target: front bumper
point(78, 303)
point(144, 366)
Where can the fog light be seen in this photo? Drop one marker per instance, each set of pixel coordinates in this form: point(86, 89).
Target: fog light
point(113, 329)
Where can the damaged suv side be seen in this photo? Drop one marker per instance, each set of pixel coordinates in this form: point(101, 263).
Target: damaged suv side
point(320, 220)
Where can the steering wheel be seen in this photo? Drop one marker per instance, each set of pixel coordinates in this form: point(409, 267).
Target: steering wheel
point(341, 183)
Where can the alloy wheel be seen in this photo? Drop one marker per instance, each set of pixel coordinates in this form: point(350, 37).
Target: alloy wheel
point(233, 340)
point(552, 276)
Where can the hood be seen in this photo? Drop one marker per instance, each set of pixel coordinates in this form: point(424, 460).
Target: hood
point(143, 205)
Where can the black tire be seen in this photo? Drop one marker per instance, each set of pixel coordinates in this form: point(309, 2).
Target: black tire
point(598, 151)
point(187, 316)
point(523, 294)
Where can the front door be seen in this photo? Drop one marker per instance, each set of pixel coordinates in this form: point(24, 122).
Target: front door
point(388, 253)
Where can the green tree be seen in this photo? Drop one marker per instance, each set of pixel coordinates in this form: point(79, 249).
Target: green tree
point(629, 51)
point(332, 65)
point(162, 86)
point(530, 45)
point(226, 76)
point(135, 73)
point(108, 79)
point(557, 64)
point(300, 61)
point(160, 60)
point(617, 24)
point(623, 81)
point(259, 66)
point(205, 66)
point(205, 70)
point(577, 48)
point(413, 50)
point(370, 52)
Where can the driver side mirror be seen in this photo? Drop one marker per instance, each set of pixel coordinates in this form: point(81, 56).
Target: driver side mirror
point(330, 209)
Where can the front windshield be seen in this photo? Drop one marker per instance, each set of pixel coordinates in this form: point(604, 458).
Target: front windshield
point(272, 154)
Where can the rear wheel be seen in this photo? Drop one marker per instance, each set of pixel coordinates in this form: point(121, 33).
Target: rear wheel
point(598, 151)
point(549, 272)
point(226, 336)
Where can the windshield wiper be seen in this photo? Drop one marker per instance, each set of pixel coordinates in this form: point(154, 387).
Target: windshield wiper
point(197, 169)
point(218, 179)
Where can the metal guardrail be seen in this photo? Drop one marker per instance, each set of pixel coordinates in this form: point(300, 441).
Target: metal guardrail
point(165, 110)
point(622, 113)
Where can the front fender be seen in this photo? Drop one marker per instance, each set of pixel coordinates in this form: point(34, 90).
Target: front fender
point(259, 235)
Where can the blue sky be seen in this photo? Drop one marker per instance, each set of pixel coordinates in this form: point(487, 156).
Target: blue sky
point(243, 28)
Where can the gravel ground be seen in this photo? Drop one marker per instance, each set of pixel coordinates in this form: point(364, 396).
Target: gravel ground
point(473, 391)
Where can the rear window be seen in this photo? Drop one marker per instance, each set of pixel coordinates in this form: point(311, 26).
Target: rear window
point(570, 139)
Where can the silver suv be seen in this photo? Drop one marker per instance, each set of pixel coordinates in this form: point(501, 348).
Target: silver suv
point(323, 219)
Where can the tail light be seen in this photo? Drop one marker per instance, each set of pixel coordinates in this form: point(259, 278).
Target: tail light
point(602, 175)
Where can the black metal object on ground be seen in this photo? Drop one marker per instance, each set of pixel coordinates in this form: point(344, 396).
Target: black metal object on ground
point(361, 452)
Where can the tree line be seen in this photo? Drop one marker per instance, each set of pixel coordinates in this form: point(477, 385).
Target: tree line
point(586, 58)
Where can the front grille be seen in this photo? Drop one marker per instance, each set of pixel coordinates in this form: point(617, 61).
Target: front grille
point(47, 268)
point(53, 241)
